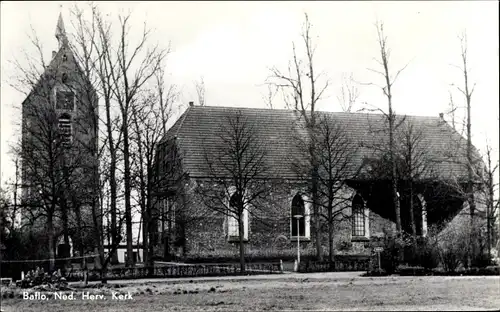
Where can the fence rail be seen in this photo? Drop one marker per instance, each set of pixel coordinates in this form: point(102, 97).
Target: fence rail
point(339, 265)
point(176, 271)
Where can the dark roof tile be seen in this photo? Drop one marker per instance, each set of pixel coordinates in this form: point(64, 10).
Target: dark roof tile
point(197, 131)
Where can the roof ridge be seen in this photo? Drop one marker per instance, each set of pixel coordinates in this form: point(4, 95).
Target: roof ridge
point(293, 110)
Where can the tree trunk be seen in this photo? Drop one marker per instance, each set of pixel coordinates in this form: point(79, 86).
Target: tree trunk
point(104, 277)
point(314, 189)
point(489, 216)
point(143, 191)
point(317, 224)
point(145, 235)
point(472, 207)
point(150, 262)
point(112, 183)
point(330, 237)
point(145, 215)
point(412, 220)
point(128, 206)
point(64, 216)
point(241, 235)
point(80, 232)
point(113, 194)
point(470, 185)
point(394, 178)
point(51, 234)
point(97, 220)
point(149, 214)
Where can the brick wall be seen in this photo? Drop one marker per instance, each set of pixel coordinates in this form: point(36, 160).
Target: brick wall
point(269, 230)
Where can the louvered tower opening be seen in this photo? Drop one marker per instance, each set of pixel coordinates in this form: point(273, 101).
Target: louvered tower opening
point(65, 129)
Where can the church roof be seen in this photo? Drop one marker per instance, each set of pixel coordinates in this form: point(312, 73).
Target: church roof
point(198, 132)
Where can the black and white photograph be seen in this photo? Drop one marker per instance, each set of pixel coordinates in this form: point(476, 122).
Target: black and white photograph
point(249, 156)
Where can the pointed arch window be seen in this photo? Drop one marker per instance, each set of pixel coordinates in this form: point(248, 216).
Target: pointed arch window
point(358, 216)
point(300, 207)
point(235, 201)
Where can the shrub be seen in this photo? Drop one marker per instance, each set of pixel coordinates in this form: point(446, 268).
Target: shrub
point(411, 270)
point(425, 254)
point(454, 245)
point(450, 260)
point(429, 258)
point(389, 258)
point(39, 277)
point(344, 245)
point(491, 270)
point(481, 260)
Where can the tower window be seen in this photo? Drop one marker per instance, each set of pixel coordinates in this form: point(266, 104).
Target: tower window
point(65, 100)
point(64, 78)
point(65, 129)
point(65, 58)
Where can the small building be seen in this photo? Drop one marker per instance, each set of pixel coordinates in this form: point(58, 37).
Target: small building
point(121, 251)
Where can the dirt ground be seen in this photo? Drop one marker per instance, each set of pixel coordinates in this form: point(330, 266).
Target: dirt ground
point(318, 292)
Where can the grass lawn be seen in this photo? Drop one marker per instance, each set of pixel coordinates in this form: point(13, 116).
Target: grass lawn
point(324, 292)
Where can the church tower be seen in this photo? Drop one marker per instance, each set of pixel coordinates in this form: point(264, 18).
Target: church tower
point(59, 146)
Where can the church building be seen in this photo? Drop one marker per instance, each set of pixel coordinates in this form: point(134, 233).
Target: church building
point(188, 155)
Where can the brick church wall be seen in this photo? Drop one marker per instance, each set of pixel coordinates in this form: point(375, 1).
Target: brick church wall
point(269, 231)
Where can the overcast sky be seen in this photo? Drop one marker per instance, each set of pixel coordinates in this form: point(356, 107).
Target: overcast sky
point(232, 45)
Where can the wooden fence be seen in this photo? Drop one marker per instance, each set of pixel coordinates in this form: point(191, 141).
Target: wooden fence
point(360, 263)
point(177, 271)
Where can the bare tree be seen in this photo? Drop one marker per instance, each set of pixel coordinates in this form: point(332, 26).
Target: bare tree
point(452, 112)
point(123, 76)
point(348, 93)
point(270, 96)
point(135, 67)
point(390, 115)
point(149, 118)
point(200, 91)
point(492, 203)
point(302, 90)
point(336, 167)
point(238, 174)
point(90, 46)
point(104, 70)
point(416, 166)
point(49, 167)
point(52, 158)
point(466, 155)
point(6, 223)
point(10, 206)
point(467, 92)
point(85, 50)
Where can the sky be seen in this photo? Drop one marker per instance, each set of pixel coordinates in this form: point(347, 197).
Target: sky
point(232, 45)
